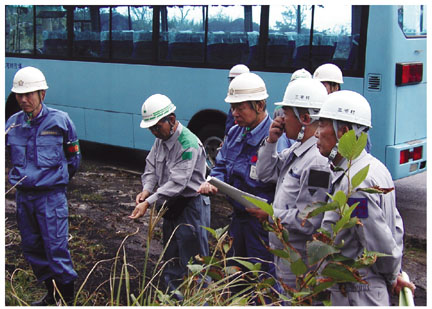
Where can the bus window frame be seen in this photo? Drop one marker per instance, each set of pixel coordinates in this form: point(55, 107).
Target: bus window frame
point(157, 11)
point(408, 36)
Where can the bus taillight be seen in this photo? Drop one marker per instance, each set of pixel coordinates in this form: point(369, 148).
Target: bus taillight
point(406, 155)
point(409, 73)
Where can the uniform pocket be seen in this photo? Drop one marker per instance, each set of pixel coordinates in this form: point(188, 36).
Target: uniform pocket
point(18, 155)
point(57, 214)
point(18, 148)
point(49, 150)
point(62, 222)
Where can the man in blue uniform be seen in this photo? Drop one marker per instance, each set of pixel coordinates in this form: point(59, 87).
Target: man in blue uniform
point(236, 165)
point(45, 154)
point(234, 72)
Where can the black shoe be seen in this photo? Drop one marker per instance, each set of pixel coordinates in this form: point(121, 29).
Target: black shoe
point(48, 299)
point(67, 292)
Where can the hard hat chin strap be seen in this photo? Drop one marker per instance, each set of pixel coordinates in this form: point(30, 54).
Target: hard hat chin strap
point(301, 134)
point(172, 127)
point(302, 130)
point(334, 151)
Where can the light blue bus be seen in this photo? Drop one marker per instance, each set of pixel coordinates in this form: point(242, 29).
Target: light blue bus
point(102, 62)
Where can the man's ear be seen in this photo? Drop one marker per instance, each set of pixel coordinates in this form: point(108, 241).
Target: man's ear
point(343, 130)
point(305, 119)
point(172, 119)
point(260, 105)
point(42, 94)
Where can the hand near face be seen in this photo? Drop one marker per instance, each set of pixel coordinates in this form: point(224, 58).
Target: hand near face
point(276, 130)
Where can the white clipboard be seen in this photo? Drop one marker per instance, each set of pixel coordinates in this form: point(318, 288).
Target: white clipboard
point(234, 193)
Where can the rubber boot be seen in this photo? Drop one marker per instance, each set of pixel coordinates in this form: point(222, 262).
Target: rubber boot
point(67, 292)
point(48, 299)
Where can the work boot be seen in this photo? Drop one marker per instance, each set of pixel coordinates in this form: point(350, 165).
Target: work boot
point(48, 299)
point(67, 292)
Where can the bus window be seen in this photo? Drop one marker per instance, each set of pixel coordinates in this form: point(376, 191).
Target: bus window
point(233, 34)
point(121, 34)
point(412, 20)
point(87, 30)
point(333, 34)
point(182, 28)
point(19, 29)
point(289, 28)
point(142, 25)
point(51, 33)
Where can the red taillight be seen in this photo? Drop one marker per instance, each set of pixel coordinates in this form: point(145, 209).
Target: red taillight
point(417, 153)
point(409, 73)
point(406, 155)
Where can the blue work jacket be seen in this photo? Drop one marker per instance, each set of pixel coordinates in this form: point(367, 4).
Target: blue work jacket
point(236, 162)
point(44, 149)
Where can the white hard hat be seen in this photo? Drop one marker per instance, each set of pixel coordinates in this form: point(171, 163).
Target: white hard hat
point(302, 73)
point(304, 92)
point(346, 105)
point(29, 79)
point(328, 72)
point(246, 87)
point(154, 109)
point(237, 70)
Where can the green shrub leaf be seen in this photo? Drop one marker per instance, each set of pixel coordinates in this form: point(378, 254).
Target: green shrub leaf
point(317, 250)
point(260, 204)
point(360, 176)
point(346, 144)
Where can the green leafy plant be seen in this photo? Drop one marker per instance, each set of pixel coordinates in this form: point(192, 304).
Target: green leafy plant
point(324, 264)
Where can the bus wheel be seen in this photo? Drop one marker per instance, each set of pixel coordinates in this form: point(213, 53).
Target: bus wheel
point(212, 137)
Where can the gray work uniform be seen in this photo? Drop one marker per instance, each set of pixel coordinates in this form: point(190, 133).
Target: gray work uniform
point(302, 177)
point(381, 231)
point(177, 167)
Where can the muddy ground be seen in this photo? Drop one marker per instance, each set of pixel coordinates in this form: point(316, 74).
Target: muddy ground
point(101, 196)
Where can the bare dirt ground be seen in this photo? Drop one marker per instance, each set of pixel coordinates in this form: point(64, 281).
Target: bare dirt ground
point(101, 196)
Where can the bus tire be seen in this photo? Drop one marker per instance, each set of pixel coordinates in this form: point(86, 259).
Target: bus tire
point(212, 137)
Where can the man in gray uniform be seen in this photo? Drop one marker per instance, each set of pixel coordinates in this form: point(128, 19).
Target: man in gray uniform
point(301, 173)
point(382, 228)
point(176, 165)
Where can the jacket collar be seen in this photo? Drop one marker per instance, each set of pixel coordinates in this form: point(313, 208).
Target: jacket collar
point(255, 136)
point(301, 148)
point(43, 112)
point(169, 143)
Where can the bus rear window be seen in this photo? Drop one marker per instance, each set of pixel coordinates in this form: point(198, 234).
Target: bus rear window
point(412, 20)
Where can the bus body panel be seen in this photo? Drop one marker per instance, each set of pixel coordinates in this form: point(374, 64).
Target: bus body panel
point(410, 113)
point(383, 115)
point(394, 125)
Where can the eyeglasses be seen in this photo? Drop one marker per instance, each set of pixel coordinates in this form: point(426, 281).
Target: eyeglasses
point(157, 127)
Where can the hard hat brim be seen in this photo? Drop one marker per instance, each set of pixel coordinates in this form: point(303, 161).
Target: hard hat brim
point(148, 124)
point(21, 90)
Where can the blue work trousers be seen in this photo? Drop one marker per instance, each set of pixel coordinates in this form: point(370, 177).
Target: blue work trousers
point(43, 223)
point(189, 239)
point(249, 235)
